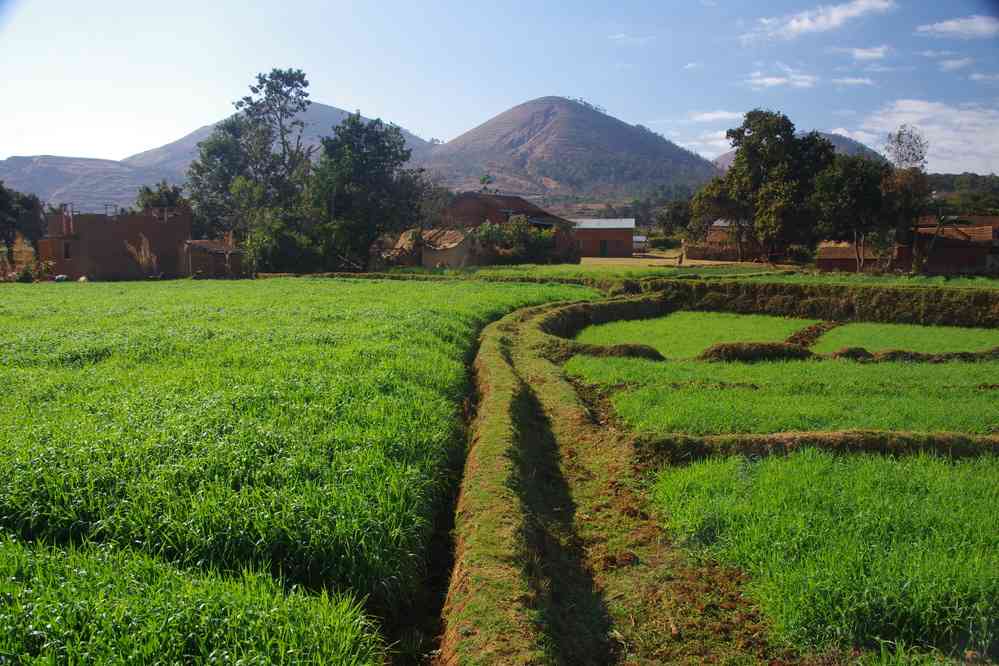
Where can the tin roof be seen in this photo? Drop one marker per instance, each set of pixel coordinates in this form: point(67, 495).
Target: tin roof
point(592, 223)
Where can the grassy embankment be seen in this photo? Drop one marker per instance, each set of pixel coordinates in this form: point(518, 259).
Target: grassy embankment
point(864, 279)
point(302, 429)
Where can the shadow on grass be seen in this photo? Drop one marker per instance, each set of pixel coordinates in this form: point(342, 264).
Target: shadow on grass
point(571, 612)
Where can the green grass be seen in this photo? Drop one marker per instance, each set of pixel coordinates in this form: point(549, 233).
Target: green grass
point(701, 398)
point(863, 279)
point(852, 549)
point(630, 269)
point(302, 427)
point(687, 334)
point(926, 339)
point(103, 605)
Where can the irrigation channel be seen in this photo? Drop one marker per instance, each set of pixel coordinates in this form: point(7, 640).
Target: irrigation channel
point(558, 556)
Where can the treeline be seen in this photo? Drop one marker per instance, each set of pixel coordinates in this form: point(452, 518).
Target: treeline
point(784, 190)
point(967, 193)
point(297, 207)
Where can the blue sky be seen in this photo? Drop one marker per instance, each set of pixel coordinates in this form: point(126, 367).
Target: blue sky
point(109, 78)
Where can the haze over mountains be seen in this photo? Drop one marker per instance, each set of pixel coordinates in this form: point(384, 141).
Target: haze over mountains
point(547, 146)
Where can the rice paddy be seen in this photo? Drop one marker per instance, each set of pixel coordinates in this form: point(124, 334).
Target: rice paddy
point(842, 551)
point(303, 429)
point(701, 398)
point(687, 334)
point(925, 339)
point(852, 550)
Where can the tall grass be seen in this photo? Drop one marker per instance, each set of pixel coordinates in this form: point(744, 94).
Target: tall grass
point(103, 605)
point(687, 334)
point(926, 339)
point(303, 427)
point(700, 398)
point(854, 549)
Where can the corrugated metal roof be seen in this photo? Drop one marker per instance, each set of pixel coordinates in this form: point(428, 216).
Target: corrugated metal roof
point(640, 239)
point(593, 223)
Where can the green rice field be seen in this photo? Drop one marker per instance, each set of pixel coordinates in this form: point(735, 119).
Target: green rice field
point(603, 270)
point(687, 334)
point(184, 433)
point(852, 550)
point(925, 339)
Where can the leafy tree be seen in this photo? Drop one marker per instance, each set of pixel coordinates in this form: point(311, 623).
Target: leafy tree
point(674, 217)
point(849, 202)
point(19, 214)
point(361, 188)
point(773, 174)
point(164, 196)
point(222, 158)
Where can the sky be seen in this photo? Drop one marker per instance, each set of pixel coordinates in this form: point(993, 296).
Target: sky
point(110, 78)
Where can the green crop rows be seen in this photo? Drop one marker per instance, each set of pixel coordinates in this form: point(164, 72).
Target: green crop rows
point(301, 428)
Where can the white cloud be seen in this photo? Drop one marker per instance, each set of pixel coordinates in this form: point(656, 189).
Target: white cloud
point(788, 77)
point(955, 64)
point(969, 27)
point(962, 138)
point(819, 19)
point(873, 53)
point(709, 144)
point(937, 54)
point(692, 65)
point(714, 116)
point(977, 76)
point(627, 39)
point(888, 68)
point(853, 81)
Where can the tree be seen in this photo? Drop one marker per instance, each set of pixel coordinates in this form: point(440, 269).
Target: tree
point(715, 201)
point(907, 148)
point(361, 189)
point(773, 174)
point(906, 188)
point(674, 217)
point(263, 143)
point(848, 201)
point(164, 196)
point(19, 214)
point(222, 158)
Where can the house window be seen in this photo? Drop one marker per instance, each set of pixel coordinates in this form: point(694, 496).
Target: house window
point(66, 254)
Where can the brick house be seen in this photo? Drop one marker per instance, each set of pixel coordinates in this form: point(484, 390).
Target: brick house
point(116, 247)
point(605, 238)
point(471, 209)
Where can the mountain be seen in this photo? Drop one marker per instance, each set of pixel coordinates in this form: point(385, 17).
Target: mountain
point(844, 145)
point(91, 183)
point(554, 145)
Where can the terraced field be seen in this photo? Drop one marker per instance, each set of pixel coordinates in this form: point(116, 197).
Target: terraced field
point(161, 442)
point(842, 550)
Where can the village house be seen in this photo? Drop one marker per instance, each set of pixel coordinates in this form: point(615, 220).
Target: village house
point(153, 243)
point(605, 238)
point(967, 244)
point(450, 244)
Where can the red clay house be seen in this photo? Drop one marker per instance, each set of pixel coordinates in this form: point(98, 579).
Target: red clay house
point(605, 238)
point(117, 247)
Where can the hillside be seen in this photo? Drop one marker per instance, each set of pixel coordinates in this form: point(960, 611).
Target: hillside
point(843, 145)
point(91, 183)
point(553, 145)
